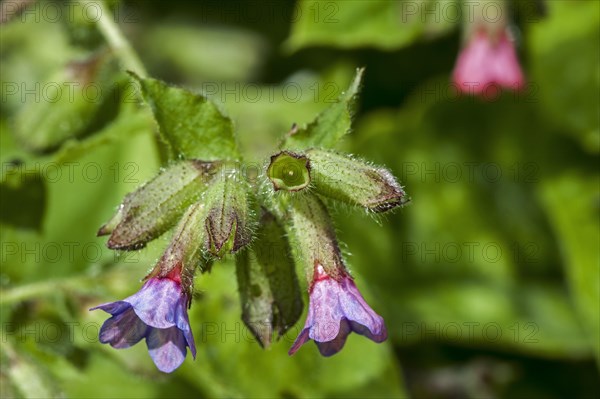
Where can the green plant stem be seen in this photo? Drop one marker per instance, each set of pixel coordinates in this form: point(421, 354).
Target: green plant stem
point(117, 42)
point(42, 288)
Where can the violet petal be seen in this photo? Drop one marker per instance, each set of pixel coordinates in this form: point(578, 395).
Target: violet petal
point(301, 340)
point(123, 330)
point(359, 312)
point(182, 322)
point(155, 303)
point(325, 310)
point(332, 347)
point(113, 307)
point(167, 348)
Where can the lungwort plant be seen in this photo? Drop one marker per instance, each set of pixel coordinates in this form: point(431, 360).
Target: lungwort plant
point(273, 222)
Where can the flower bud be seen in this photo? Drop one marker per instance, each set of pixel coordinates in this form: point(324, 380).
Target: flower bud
point(155, 207)
point(354, 182)
point(228, 223)
point(269, 289)
point(289, 171)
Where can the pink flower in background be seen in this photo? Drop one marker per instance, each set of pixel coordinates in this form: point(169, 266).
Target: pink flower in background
point(485, 62)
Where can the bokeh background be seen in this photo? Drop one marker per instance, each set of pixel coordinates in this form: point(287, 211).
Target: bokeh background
point(488, 282)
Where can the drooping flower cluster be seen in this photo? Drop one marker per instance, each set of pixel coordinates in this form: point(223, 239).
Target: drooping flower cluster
point(214, 211)
point(485, 62)
point(488, 61)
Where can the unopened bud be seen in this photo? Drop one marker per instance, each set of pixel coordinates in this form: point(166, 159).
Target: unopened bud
point(354, 182)
point(156, 206)
point(228, 223)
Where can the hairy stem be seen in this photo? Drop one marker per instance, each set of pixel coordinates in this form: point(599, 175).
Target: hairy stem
point(117, 42)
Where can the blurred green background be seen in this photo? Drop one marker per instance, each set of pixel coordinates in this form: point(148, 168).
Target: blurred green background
point(489, 281)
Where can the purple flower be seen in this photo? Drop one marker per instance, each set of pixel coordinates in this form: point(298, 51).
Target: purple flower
point(157, 312)
point(336, 308)
point(484, 62)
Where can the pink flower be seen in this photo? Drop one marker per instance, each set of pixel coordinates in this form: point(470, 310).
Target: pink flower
point(483, 63)
point(337, 308)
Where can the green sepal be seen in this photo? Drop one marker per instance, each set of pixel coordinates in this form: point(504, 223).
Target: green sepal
point(312, 235)
point(156, 206)
point(355, 182)
point(185, 250)
point(229, 221)
point(269, 290)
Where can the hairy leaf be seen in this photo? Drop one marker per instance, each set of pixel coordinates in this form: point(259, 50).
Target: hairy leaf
point(331, 124)
point(189, 123)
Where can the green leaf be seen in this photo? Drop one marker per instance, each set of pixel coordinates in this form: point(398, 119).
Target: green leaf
point(189, 123)
point(377, 23)
point(73, 102)
point(134, 122)
point(570, 32)
point(331, 124)
point(530, 318)
point(269, 289)
point(101, 175)
point(572, 206)
point(112, 379)
point(23, 196)
point(43, 48)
